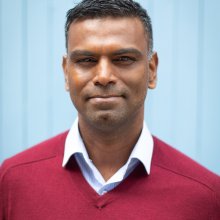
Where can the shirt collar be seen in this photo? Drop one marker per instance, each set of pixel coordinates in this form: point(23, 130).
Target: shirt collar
point(74, 144)
point(142, 151)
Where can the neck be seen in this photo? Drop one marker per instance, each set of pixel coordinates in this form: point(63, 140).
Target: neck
point(110, 150)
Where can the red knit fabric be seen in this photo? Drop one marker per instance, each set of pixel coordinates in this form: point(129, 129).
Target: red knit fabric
point(33, 185)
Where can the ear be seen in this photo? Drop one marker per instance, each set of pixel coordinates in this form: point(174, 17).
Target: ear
point(64, 64)
point(153, 64)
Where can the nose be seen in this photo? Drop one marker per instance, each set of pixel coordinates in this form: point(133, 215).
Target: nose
point(104, 73)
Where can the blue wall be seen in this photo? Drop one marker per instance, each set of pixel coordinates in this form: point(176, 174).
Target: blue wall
point(184, 110)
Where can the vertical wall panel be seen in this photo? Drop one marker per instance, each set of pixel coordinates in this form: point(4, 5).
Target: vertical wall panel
point(24, 58)
point(200, 75)
point(37, 70)
point(210, 118)
point(49, 66)
point(184, 76)
point(11, 76)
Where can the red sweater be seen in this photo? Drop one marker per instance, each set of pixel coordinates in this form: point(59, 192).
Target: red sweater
point(33, 185)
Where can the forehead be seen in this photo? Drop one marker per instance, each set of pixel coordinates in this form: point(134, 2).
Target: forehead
point(104, 32)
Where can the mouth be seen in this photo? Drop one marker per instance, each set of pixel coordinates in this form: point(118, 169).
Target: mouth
point(105, 102)
point(105, 96)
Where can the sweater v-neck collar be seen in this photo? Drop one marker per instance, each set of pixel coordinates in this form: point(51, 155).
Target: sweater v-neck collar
point(90, 195)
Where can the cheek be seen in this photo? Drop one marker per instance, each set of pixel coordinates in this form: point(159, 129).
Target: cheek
point(77, 82)
point(141, 90)
point(138, 82)
point(77, 85)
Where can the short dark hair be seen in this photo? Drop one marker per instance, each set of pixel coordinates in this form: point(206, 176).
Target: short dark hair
point(87, 9)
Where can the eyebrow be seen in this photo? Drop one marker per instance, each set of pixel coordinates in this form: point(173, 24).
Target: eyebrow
point(127, 50)
point(77, 53)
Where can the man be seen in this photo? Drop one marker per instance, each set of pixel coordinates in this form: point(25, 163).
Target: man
point(108, 166)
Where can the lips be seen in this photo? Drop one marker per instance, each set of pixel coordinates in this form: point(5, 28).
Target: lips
point(105, 102)
point(100, 99)
point(104, 96)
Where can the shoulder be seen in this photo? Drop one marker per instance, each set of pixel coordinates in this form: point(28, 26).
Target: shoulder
point(187, 181)
point(45, 150)
point(171, 160)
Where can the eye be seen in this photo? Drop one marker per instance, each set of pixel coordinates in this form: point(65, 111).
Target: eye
point(124, 60)
point(86, 60)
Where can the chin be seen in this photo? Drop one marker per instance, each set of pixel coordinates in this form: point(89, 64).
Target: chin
point(107, 121)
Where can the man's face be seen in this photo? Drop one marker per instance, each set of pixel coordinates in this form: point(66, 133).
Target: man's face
point(107, 71)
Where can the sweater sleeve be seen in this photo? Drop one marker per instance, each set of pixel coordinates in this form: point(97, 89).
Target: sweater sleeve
point(217, 217)
point(2, 216)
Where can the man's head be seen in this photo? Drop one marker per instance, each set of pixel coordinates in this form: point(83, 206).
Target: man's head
point(107, 67)
point(110, 8)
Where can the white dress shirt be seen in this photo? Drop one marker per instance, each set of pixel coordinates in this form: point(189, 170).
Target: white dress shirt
point(142, 153)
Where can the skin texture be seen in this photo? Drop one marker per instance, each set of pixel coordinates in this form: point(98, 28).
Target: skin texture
point(107, 74)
